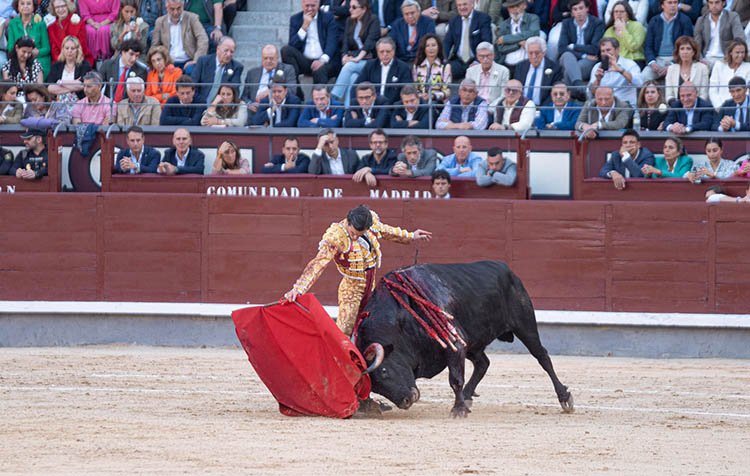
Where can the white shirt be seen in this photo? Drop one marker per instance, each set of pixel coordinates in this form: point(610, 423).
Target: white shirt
point(176, 48)
point(337, 164)
point(384, 76)
point(263, 83)
point(714, 46)
point(313, 48)
point(468, 25)
point(181, 160)
point(537, 86)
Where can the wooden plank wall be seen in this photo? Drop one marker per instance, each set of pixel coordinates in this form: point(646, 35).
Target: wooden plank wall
point(656, 257)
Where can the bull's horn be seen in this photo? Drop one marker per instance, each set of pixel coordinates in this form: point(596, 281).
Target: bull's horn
point(377, 349)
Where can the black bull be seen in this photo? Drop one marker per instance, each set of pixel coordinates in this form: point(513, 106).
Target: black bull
point(487, 301)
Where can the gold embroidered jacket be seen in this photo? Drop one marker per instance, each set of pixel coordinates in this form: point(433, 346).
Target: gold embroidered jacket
point(352, 258)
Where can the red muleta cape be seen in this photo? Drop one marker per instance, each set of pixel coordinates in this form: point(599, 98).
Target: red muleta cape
point(307, 363)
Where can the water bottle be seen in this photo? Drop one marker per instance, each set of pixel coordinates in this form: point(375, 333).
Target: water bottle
point(636, 120)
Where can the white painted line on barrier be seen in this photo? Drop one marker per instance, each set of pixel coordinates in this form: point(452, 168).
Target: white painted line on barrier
point(208, 310)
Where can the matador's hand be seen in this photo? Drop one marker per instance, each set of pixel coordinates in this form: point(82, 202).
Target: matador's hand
point(291, 295)
point(422, 235)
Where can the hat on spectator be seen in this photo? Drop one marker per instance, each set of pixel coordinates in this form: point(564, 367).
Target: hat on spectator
point(512, 3)
point(33, 132)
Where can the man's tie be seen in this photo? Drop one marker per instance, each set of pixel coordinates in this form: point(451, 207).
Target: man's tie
point(215, 86)
point(532, 86)
point(466, 49)
point(412, 36)
point(121, 85)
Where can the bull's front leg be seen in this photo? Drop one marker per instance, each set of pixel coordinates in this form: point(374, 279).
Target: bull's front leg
point(456, 365)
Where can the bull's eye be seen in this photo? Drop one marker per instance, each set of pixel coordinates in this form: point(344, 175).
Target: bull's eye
point(383, 371)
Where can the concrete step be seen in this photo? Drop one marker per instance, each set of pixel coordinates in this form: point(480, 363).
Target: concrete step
point(262, 19)
point(266, 34)
point(274, 6)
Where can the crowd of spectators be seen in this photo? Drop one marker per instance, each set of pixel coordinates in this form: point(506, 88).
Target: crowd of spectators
point(676, 66)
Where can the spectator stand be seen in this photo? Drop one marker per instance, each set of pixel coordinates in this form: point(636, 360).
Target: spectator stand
point(258, 145)
point(592, 154)
point(11, 140)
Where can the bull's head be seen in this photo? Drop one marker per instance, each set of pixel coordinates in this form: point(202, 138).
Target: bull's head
point(391, 377)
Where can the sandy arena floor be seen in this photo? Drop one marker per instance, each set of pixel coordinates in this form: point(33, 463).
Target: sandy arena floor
point(174, 410)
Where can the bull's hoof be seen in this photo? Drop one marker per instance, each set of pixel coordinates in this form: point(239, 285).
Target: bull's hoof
point(460, 411)
point(369, 408)
point(567, 405)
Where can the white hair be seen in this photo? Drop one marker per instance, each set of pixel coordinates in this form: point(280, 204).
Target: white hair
point(485, 46)
point(536, 40)
point(135, 80)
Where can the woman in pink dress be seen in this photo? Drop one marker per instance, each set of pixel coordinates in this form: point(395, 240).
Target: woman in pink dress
point(98, 16)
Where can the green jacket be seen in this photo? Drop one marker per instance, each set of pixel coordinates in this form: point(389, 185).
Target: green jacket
point(38, 32)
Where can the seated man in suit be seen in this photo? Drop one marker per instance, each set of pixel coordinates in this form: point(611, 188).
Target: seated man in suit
point(690, 113)
point(411, 111)
point(538, 73)
point(496, 170)
point(715, 30)
point(181, 158)
point(222, 63)
point(628, 161)
point(515, 112)
point(280, 109)
point(513, 32)
point(463, 162)
point(561, 113)
point(313, 43)
point(386, 12)
point(579, 44)
point(386, 67)
point(467, 111)
point(465, 32)
point(409, 29)
point(137, 158)
point(414, 160)
point(138, 109)
point(290, 161)
point(604, 112)
point(258, 80)
point(181, 109)
point(186, 44)
point(369, 111)
point(117, 70)
point(329, 159)
point(734, 114)
point(379, 161)
point(489, 76)
point(322, 110)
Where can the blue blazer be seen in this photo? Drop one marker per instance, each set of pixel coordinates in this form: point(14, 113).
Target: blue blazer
point(703, 119)
point(615, 163)
point(335, 108)
point(204, 72)
point(654, 32)
point(300, 167)
point(380, 119)
point(729, 108)
point(193, 163)
point(591, 36)
point(176, 114)
point(421, 115)
point(400, 74)
point(391, 10)
point(400, 34)
point(522, 70)
point(570, 115)
point(480, 29)
point(289, 115)
point(328, 33)
point(150, 159)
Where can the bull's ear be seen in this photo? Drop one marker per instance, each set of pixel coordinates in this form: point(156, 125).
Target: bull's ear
point(388, 348)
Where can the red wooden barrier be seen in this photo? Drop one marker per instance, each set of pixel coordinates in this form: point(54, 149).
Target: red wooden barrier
point(608, 256)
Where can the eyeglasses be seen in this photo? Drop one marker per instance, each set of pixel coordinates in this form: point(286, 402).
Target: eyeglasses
point(354, 7)
point(512, 91)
